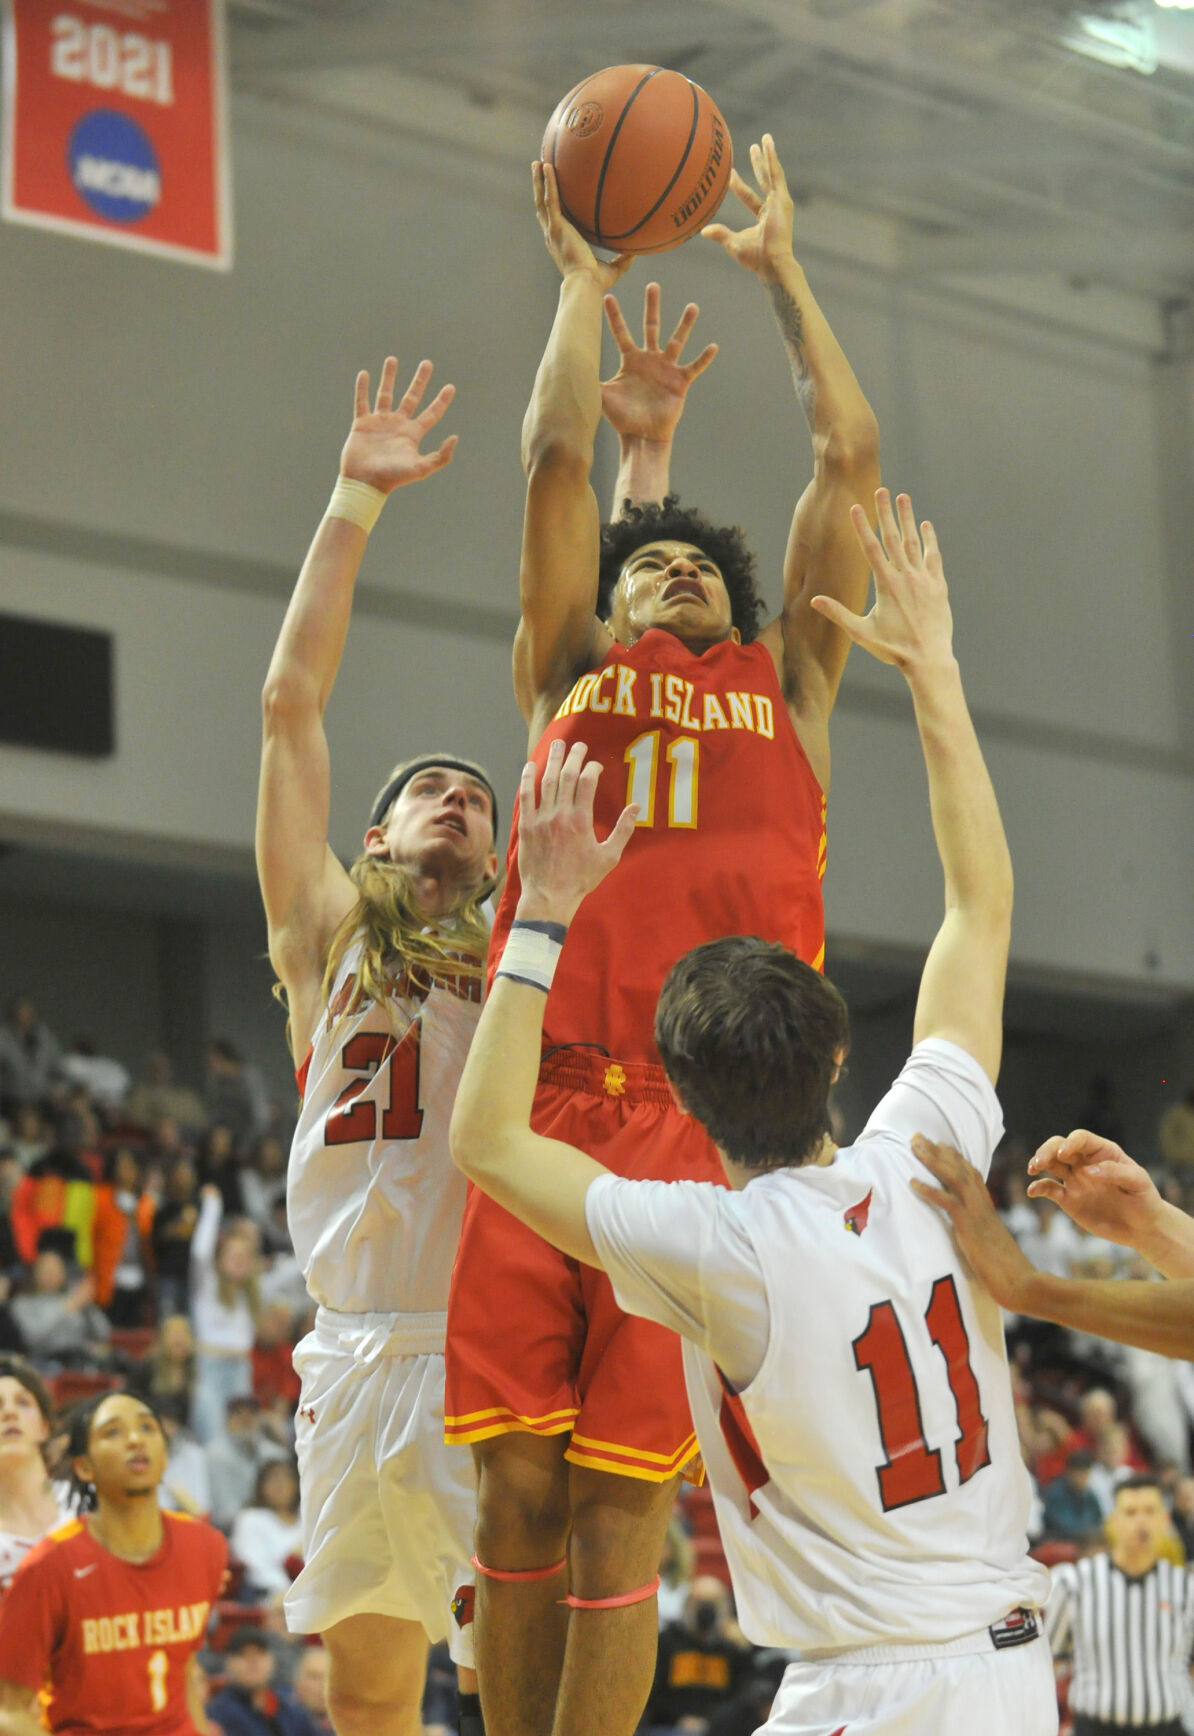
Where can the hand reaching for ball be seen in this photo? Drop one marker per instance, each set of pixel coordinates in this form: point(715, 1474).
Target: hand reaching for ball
point(565, 243)
point(645, 398)
point(768, 242)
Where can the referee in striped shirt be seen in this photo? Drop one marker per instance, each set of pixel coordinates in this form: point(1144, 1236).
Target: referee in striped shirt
point(1128, 1619)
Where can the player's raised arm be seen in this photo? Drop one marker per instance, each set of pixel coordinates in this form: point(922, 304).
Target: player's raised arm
point(306, 891)
point(1152, 1316)
point(961, 988)
point(644, 400)
point(542, 1181)
point(823, 556)
point(559, 635)
point(1109, 1194)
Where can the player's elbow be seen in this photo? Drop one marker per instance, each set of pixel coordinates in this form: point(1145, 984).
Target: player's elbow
point(470, 1138)
point(849, 449)
point(287, 698)
point(557, 453)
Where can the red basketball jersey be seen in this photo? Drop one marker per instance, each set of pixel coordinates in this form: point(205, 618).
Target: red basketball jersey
point(111, 1639)
point(730, 837)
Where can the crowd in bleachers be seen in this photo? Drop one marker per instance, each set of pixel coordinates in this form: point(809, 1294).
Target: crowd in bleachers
point(143, 1243)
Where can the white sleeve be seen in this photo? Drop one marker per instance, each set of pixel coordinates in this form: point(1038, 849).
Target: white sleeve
point(676, 1253)
point(944, 1093)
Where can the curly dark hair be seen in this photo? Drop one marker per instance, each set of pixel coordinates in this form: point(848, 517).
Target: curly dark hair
point(671, 522)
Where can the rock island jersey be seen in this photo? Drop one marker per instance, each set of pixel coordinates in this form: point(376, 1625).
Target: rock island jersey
point(112, 1638)
point(730, 837)
point(373, 1199)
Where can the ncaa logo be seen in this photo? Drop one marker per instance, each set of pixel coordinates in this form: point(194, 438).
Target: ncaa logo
point(114, 167)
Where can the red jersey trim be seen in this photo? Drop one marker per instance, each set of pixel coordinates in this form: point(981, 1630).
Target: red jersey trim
point(300, 1073)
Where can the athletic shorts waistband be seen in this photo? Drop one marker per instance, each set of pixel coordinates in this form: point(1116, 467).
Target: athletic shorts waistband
point(579, 1067)
point(1018, 1627)
point(365, 1337)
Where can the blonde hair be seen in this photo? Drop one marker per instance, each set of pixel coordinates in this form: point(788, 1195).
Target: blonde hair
point(233, 1291)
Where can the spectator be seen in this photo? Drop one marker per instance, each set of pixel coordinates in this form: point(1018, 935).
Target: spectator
point(675, 1573)
point(29, 1055)
point(32, 1136)
point(186, 1485)
point(105, 1080)
point(1128, 1619)
point(700, 1666)
point(30, 1504)
point(1158, 1406)
point(122, 1240)
point(58, 1193)
point(59, 1323)
point(80, 1134)
point(249, 1704)
point(236, 1096)
point(274, 1380)
point(266, 1535)
point(263, 1186)
point(1054, 1244)
point(311, 1687)
point(168, 1371)
point(157, 1095)
point(1113, 1464)
point(1175, 1133)
point(235, 1459)
point(223, 1311)
point(1072, 1509)
point(218, 1168)
point(173, 1226)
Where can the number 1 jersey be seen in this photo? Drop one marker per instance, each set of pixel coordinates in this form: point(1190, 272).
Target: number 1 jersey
point(730, 837)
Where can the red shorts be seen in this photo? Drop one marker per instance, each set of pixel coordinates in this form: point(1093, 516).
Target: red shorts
point(536, 1341)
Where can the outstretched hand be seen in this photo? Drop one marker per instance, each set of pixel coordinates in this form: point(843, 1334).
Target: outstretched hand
point(767, 243)
point(567, 246)
point(560, 858)
point(983, 1239)
point(645, 398)
point(1096, 1183)
point(382, 448)
point(910, 623)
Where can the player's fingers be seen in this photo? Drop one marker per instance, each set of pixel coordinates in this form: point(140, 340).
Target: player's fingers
point(621, 265)
point(854, 625)
point(622, 832)
point(775, 168)
point(651, 317)
point(413, 395)
point(526, 792)
point(537, 191)
point(1046, 1188)
point(617, 324)
point(909, 535)
point(694, 369)
point(743, 190)
point(759, 165)
point(679, 335)
point(935, 1197)
point(385, 386)
point(942, 1161)
point(889, 529)
point(360, 401)
point(549, 783)
point(436, 409)
point(1046, 1154)
point(570, 774)
point(443, 455)
point(872, 548)
point(586, 787)
point(928, 536)
point(719, 233)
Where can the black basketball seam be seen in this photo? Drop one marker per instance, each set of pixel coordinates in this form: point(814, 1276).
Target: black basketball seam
point(601, 241)
point(646, 218)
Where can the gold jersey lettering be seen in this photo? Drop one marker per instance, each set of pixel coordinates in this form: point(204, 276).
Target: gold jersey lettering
point(597, 700)
point(106, 1640)
point(656, 695)
point(764, 716)
point(715, 717)
point(687, 721)
point(583, 692)
point(674, 705)
point(90, 1637)
point(741, 715)
point(624, 699)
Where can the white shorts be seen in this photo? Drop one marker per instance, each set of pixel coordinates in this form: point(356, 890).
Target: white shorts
point(387, 1509)
point(958, 1687)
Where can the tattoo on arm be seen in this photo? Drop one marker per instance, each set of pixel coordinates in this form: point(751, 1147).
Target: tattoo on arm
point(791, 325)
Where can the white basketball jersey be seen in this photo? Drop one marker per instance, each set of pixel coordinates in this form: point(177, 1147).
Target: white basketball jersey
point(373, 1198)
point(868, 1482)
point(14, 1549)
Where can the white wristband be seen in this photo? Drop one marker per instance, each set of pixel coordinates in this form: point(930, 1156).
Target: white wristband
point(532, 952)
point(359, 502)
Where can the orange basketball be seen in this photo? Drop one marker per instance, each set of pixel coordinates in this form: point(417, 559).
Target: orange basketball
point(642, 158)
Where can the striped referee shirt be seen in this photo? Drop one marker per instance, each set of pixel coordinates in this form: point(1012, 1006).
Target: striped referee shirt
point(1130, 1638)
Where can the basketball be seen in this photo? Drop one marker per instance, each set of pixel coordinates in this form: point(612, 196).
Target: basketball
point(642, 158)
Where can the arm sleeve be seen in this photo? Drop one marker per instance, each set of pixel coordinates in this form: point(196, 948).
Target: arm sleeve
point(29, 1624)
point(676, 1253)
point(1059, 1611)
point(944, 1093)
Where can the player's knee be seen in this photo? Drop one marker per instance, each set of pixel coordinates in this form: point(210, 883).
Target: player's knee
point(522, 1504)
point(612, 1537)
point(356, 1701)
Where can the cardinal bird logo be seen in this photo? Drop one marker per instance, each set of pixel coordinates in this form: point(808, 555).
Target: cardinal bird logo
point(857, 1217)
point(462, 1605)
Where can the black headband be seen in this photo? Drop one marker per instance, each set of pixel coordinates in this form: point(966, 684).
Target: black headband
point(428, 762)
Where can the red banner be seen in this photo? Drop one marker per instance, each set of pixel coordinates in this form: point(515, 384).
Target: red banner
point(115, 123)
